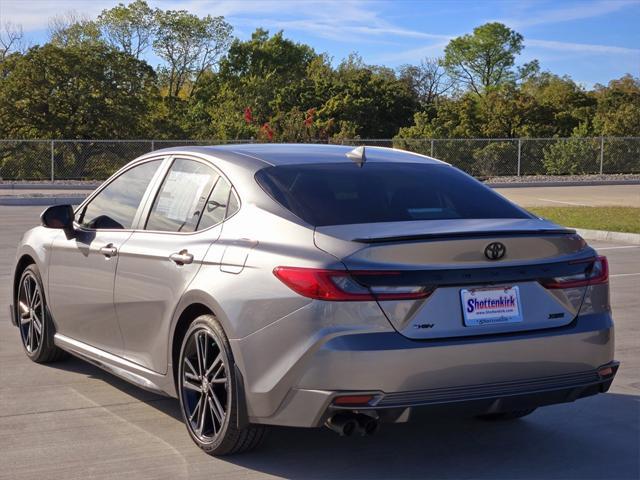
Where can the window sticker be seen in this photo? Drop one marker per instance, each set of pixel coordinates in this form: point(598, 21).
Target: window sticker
point(177, 200)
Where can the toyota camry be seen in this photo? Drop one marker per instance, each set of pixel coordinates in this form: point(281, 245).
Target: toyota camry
point(311, 285)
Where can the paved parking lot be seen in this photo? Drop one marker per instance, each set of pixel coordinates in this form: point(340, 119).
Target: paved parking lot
point(71, 420)
point(582, 196)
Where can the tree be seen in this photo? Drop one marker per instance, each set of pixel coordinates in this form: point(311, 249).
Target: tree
point(429, 80)
point(454, 118)
point(190, 45)
point(129, 28)
point(618, 107)
point(369, 102)
point(270, 75)
point(78, 92)
point(486, 58)
point(89, 91)
point(11, 39)
point(71, 29)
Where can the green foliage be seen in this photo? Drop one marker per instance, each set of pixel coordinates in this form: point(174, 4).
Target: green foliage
point(129, 28)
point(618, 107)
point(496, 158)
point(88, 91)
point(486, 58)
point(368, 102)
point(562, 106)
point(88, 82)
point(82, 92)
point(572, 156)
point(71, 31)
point(189, 45)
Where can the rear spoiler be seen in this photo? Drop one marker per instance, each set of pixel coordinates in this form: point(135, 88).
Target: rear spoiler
point(437, 236)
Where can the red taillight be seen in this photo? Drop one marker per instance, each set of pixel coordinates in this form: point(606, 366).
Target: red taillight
point(340, 286)
point(598, 273)
point(353, 400)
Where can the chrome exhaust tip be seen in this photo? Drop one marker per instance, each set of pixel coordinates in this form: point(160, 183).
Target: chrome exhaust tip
point(344, 424)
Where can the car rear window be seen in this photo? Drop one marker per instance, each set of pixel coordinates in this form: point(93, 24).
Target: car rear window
point(343, 193)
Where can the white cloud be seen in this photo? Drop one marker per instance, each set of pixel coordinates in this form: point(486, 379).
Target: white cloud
point(413, 55)
point(353, 20)
point(582, 47)
point(578, 11)
point(35, 14)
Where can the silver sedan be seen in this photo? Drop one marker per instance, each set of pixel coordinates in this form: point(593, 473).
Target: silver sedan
point(311, 285)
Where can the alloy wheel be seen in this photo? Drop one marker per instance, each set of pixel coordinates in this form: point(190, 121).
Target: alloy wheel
point(31, 312)
point(204, 385)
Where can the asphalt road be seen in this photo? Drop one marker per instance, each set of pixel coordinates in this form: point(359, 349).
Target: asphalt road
point(71, 420)
point(582, 196)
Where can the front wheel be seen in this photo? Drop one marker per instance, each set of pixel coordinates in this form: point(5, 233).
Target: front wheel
point(36, 327)
point(206, 387)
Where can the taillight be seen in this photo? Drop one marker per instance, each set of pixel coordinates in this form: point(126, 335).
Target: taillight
point(596, 273)
point(340, 286)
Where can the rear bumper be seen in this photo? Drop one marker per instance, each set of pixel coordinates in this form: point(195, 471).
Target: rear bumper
point(486, 374)
point(311, 408)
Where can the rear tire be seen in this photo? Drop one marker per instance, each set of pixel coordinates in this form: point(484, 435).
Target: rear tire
point(503, 416)
point(207, 391)
point(35, 325)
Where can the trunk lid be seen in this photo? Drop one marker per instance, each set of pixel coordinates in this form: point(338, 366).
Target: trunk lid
point(450, 257)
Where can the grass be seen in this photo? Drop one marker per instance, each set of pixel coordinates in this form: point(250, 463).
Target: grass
point(614, 219)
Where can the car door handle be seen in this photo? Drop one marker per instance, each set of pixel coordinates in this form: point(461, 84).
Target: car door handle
point(109, 250)
point(183, 257)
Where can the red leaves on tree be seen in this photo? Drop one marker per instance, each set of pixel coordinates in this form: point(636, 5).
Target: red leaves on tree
point(267, 131)
point(248, 115)
point(308, 121)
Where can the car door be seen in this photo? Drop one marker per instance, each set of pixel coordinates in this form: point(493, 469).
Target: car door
point(82, 268)
point(162, 257)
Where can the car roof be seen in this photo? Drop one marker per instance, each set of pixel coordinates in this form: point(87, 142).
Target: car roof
point(271, 154)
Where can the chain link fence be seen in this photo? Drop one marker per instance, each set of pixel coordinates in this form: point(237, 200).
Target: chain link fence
point(98, 159)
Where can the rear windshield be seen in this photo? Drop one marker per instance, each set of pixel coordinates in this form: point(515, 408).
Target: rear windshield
point(343, 193)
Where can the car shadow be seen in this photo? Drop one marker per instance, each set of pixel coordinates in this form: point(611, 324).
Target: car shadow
point(165, 404)
point(597, 437)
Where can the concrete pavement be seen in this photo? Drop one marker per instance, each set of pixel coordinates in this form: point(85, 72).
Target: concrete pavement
point(582, 196)
point(71, 420)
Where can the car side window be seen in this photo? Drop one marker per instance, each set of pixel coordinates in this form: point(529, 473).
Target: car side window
point(216, 208)
point(115, 206)
point(181, 199)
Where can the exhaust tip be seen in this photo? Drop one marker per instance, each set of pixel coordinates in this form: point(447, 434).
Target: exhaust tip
point(349, 427)
point(368, 425)
point(344, 424)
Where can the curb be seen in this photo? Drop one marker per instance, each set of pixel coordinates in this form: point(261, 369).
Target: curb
point(47, 186)
point(42, 201)
point(630, 238)
point(587, 183)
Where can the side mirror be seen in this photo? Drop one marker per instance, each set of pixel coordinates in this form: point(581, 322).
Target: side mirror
point(58, 216)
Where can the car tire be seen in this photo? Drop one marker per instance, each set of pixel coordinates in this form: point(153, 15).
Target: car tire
point(502, 416)
point(34, 322)
point(214, 428)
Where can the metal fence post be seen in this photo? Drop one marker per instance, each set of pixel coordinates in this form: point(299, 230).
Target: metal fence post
point(519, 154)
point(52, 161)
point(601, 153)
point(153, 145)
point(431, 148)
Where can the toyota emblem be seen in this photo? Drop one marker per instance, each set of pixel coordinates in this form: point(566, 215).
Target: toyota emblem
point(495, 251)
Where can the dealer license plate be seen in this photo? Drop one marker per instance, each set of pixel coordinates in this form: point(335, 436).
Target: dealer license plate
point(491, 306)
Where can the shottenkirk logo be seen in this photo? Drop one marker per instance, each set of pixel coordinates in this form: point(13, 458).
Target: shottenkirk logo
point(495, 251)
point(502, 302)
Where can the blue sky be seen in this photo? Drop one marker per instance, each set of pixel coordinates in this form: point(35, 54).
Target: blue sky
point(592, 41)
